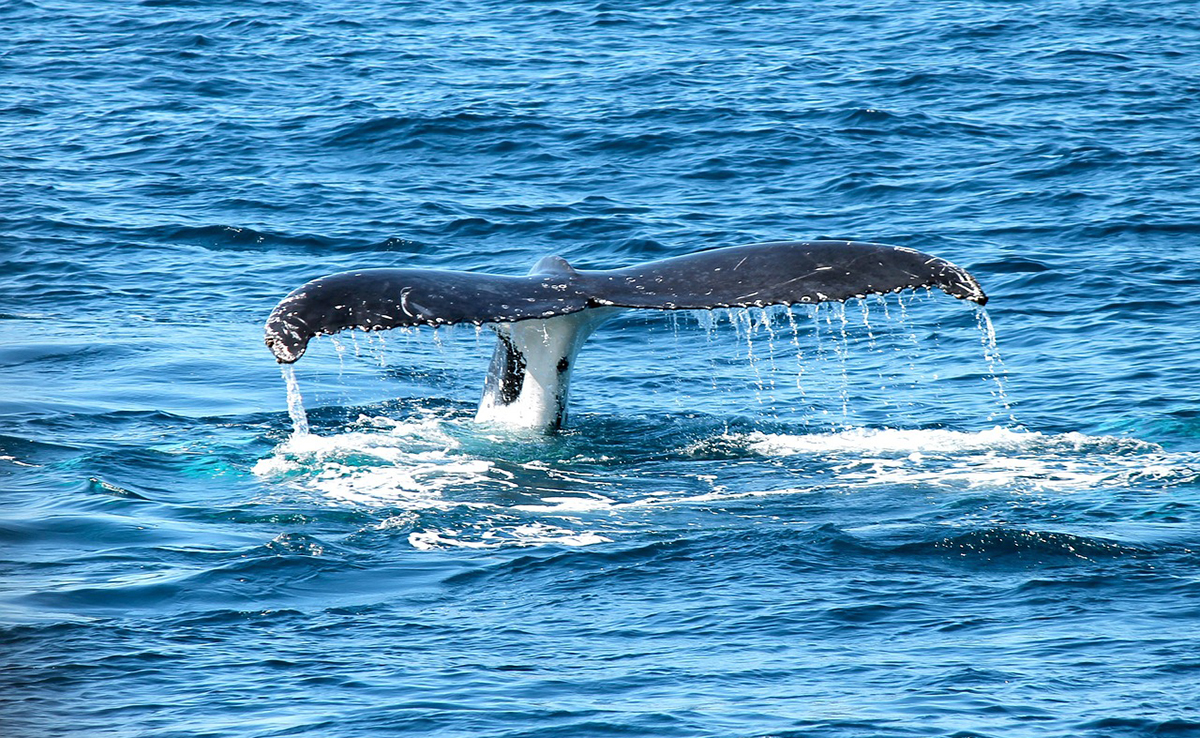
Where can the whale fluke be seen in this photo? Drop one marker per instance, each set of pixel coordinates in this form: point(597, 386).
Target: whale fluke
point(777, 273)
point(377, 299)
point(543, 318)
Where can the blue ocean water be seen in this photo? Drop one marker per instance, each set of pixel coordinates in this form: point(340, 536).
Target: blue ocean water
point(859, 520)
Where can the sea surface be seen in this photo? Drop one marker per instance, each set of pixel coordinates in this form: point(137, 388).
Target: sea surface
point(901, 516)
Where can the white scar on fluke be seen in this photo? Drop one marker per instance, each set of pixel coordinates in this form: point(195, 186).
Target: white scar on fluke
point(543, 319)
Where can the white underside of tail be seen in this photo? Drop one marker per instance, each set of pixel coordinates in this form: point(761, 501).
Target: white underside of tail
point(530, 375)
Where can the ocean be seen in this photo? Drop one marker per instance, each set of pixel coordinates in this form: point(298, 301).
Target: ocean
point(898, 516)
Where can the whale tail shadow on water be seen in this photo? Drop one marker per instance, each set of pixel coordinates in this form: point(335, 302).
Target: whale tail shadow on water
point(543, 319)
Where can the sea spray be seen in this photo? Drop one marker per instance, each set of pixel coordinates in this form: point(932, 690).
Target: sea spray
point(295, 402)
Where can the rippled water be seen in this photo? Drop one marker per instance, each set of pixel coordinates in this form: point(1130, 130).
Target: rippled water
point(859, 520)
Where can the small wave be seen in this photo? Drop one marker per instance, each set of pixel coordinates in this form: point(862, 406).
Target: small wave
point(1060, 161)
point(101, 487)
point(478, 130)
point(1141, 227)
point(879, 122)
point(1086, 55)
point(634, 143)
point(995, 543)
point(1013, 265)
point(238, 238)
point(296, 544)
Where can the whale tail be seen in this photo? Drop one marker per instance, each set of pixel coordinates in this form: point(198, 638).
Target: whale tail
point(543, 319)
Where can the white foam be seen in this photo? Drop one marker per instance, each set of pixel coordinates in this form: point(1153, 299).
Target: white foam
point(569, 504)
point(421, 468)
point(1003, 458)
point(894, 440)
point(406, 464)
point(531, 534)
point(719, 494)
point(451, 487)
point(17, 462)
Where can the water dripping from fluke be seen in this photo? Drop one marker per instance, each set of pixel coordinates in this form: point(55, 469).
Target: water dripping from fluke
point(295, 403)
point(991, 353)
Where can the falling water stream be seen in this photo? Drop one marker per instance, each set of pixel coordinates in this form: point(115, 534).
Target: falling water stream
point(295, 403)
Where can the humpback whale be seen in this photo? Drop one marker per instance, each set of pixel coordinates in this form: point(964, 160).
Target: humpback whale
point(542, 319)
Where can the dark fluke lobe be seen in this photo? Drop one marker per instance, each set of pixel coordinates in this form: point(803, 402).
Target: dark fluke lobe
point(757, 275)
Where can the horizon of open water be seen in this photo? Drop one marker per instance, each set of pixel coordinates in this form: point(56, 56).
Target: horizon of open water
point(859, 520)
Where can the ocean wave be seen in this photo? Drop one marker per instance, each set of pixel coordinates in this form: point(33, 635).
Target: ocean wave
point(998, 544)
point(469, 129)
